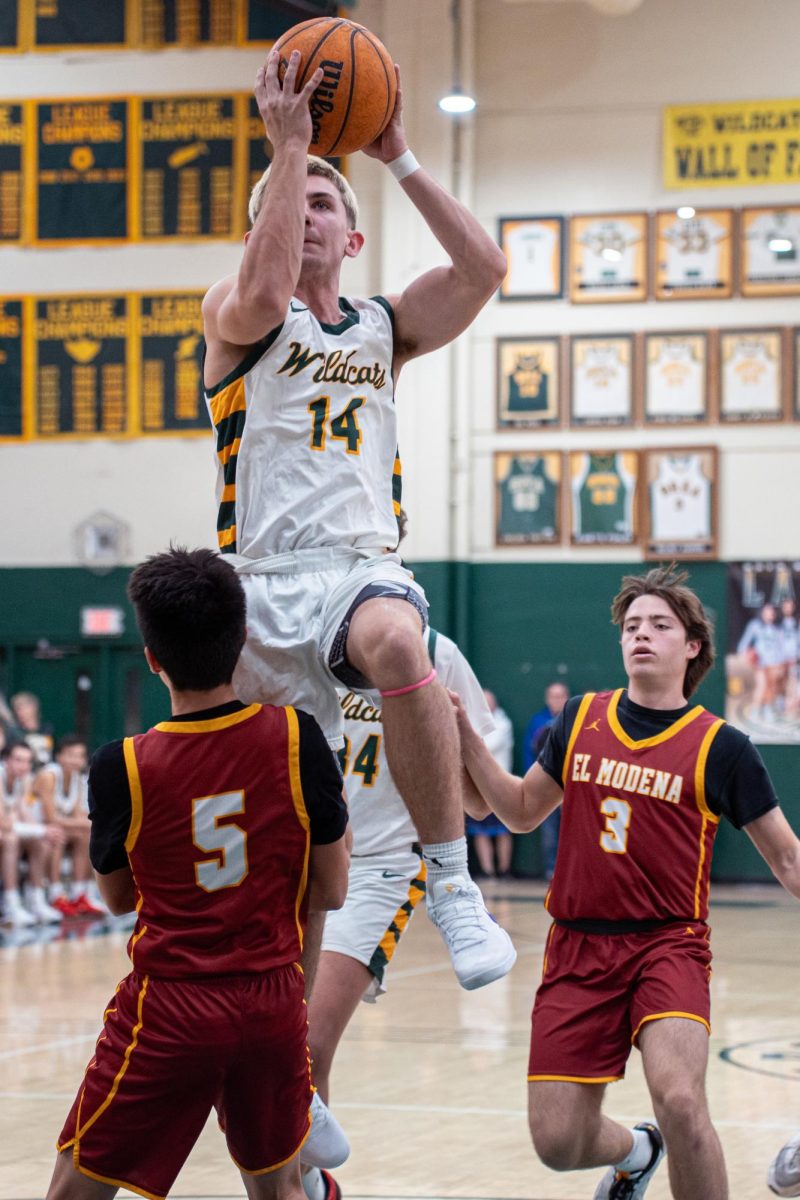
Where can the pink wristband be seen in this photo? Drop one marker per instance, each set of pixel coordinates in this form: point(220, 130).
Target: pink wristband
point(412, 687)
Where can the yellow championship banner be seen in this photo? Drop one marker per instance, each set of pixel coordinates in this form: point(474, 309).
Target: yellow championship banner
point(732, 145)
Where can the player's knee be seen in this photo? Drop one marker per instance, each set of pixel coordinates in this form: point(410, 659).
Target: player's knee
point(556, 1146)
point(395, 645)
point(679, 1109)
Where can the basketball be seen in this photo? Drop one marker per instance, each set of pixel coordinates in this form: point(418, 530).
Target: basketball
point(355, 100)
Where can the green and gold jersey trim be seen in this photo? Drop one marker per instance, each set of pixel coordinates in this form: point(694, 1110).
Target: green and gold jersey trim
point(657, 738)
point(382, 955)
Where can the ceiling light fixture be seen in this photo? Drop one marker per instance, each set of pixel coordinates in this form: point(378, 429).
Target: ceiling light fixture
point(457, 101)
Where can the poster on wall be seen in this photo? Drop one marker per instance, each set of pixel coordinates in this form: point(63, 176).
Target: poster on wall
point(761, 662)
point(534, 250)
point(603, 488)
point(12, 150)
point(528, 382)
point(62, 24)
point(527, 498)
point(694, 255)
point(81, 171)
point(187, 22)
point(680, 502)
point(9, 12)
point(608, 258)
point(81, 365)
point(170, 332)
point(187, 167)
point(10, 368)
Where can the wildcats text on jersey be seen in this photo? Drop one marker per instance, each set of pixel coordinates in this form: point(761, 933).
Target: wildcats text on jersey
point(333, 368)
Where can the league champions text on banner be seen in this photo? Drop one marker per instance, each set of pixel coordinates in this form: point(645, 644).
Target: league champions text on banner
point(732, 145)
point(81, 185)
point(188, 188)
point(12, 149)
point(82, 366)
point(10, 368)
point(170, 329)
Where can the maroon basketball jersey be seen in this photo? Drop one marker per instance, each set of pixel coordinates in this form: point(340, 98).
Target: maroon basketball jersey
point(218, 844)
point(636, 832)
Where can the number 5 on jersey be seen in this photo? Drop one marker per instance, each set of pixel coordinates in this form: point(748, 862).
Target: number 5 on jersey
point(345, 427)
point(229, 842)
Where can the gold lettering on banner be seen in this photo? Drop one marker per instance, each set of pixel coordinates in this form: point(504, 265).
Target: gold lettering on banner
point(66, 319)
point(187, 120)
point(76, 122)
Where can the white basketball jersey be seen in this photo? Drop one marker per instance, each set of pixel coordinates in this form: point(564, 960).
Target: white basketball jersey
point(693, 251)
point(766, 232)
point(531, 248)
point(378, 817)
point(72, 800)
point(602, 240)
point(307, 436)
point(602, 383)
point(681, 499)
point(675, 380)
point(750, 378)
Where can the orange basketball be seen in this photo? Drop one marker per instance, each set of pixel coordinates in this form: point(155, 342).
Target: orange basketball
point(355, 100)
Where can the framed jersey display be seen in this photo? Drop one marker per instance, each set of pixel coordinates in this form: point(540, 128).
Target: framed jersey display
point(679, 502)
point(751, 375)
point(603, 493)
point(608, 258)
point(694, 255)
point(602, 379)
point(527, 498)
point(534, 250)
point(769, 255)
point(676, 378)
point(528, 381)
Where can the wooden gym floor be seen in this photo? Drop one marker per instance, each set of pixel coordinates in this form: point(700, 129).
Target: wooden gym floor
point(430, 1082)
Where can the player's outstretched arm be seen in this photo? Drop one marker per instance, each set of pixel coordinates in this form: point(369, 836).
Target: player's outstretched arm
point(778, 844)
point(118, 890)
point(521, 804)
point(242, 309)
point(438, 306)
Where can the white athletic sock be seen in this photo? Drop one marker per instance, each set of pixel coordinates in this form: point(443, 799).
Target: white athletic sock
point(76, 889)
point(56, 892)
point(13, 899)
point(445, 858)
point(640, 1154)
point(314, 1184)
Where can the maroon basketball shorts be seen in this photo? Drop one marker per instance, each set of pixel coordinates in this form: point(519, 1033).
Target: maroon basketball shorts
point(598, 990)
point(171, 1051)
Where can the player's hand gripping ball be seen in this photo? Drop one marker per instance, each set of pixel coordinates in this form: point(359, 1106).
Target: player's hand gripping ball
point(355, 100)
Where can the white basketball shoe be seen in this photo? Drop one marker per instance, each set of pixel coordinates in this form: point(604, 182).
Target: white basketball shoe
point(326, 1144)
point(631, 1185)
point(479, 949)
point(784, 1170)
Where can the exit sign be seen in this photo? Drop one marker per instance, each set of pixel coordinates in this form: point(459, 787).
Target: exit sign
point(102, 622)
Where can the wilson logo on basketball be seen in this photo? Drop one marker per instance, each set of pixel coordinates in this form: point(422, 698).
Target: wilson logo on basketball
point(322, 102)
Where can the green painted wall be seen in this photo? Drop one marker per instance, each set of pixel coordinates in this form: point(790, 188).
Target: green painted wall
point(521, 625)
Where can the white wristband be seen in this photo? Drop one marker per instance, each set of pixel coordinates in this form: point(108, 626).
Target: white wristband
point(404, 164)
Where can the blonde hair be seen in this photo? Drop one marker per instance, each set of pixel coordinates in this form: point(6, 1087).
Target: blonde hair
point(316, 166)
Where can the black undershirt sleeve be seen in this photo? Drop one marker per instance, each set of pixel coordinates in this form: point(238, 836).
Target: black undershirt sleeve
point(109, 808)
point(738, 785)
point(552, 755)
point(322, 783)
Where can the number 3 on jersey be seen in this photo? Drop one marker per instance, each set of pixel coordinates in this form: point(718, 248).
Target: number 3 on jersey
point(228, 841)
point(345, 427)
point(614, 838)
